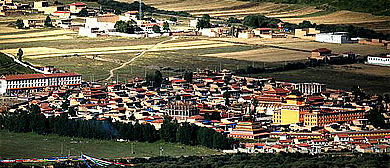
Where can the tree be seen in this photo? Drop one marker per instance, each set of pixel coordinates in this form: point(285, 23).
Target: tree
point(157, 78)
point(131, 26)
point(255, 103)
point(233, 20)
point(83, 13)
point(227, 79)
point(48, 22)
point(226, 95)
point(202, 24)
point(387, 101)
point(377, 119)
point(121, 26)
point(188, 76)
point(19, 24)
point(156, 29)
point(168, 130)
point(166, 26)
point(20, 54)
point(206, 17)
point(173, 19)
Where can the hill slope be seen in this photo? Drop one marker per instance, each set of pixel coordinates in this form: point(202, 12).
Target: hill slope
point(8, 66)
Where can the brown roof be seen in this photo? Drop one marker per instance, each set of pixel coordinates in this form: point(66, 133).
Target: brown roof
point(321, 50)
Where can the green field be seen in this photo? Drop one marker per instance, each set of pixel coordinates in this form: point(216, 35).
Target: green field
point(373, 79)
point(31, 145)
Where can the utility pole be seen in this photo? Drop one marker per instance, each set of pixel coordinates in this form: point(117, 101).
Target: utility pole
point(220, 66)
point(132, 148)
point(117, 78)
point(62, 149)
point(140, 10)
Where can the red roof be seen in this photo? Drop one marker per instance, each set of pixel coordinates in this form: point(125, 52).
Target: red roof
point(78, 4)
point(178, 81)
point(263, 29)
point(38, 76)
point(62, 75)
point(61, 12)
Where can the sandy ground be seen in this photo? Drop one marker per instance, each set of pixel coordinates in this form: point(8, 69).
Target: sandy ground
point(38, 34)
point(268, 9)
point(40, 52)
point(264, 55)
point(15, 40)
point(186, 5)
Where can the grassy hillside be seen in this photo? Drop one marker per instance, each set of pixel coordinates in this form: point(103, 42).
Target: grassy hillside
point(31, 145)
point(8, 66)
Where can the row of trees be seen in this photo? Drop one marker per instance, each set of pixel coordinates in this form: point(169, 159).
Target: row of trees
point(203, 22)
point(119, 7)
point(188, 134)
point(256, 21)
point(191, 134)
point(131, 26)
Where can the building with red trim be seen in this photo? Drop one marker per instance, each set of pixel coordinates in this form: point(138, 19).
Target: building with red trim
point(14, 83)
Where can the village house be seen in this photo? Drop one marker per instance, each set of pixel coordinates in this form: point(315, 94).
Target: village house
point(306, 33)
point(334, 37)
point(379, 60)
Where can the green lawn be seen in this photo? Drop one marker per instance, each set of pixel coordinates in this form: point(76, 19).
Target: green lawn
point(88, 67)
point(31, 145)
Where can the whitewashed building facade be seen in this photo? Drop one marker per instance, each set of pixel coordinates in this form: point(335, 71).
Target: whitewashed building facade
point(14, 83)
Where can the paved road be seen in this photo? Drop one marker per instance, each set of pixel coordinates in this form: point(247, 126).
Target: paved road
point(139, 55)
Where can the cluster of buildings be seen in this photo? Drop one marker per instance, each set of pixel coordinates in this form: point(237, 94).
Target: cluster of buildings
point(284, 116)
point(105, 25)
point(322, 141)
point(11, 8)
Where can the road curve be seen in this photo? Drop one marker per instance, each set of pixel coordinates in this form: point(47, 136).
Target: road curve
point(139, 55)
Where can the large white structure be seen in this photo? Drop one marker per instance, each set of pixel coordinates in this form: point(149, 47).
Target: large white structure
point(335, 37)
point(309, 88)
point(383, 61)
point(11, 83)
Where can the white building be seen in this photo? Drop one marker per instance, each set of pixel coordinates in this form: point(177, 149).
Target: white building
point(383, 61)
point(309, 88)
point(98, 25)
point(14, 83)
point(335, 37)
point(193, 23)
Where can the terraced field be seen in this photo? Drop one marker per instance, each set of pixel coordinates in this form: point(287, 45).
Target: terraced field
point(287, 12)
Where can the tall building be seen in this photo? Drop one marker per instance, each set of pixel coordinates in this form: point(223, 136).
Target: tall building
point(329, 115)
point(309, 88)
point(15, 83)
point(247, 130)
point(292, 111)
point(182, 109)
